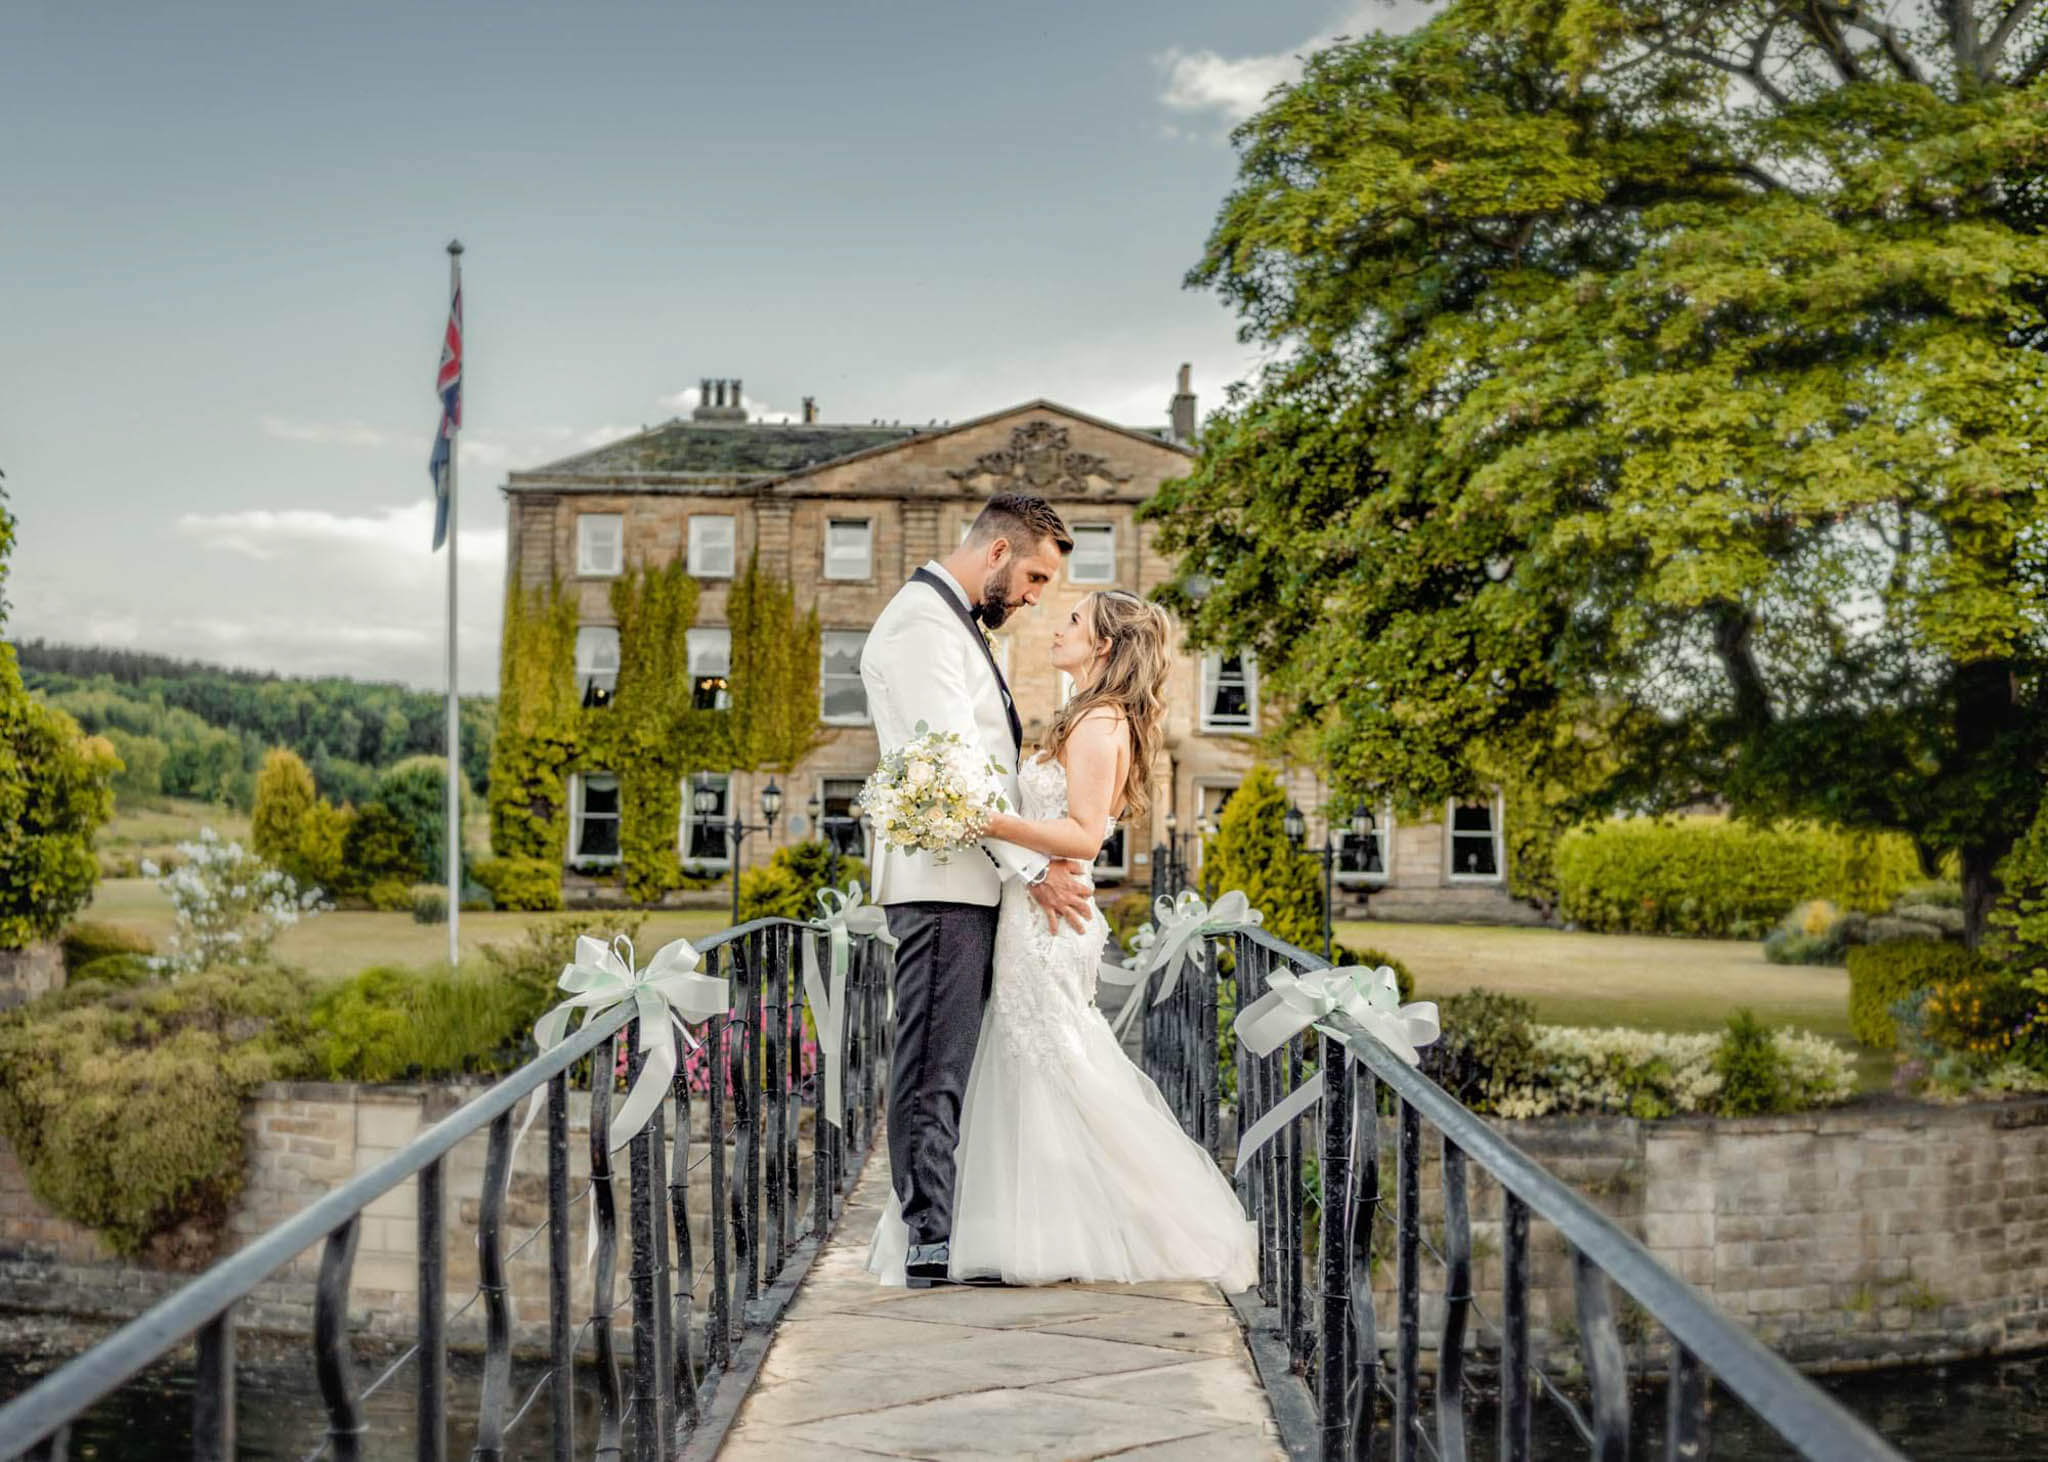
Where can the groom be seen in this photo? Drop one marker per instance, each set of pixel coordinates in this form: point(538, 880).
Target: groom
point(926, 660)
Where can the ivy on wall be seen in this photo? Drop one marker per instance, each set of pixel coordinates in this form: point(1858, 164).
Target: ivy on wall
point(651, 737)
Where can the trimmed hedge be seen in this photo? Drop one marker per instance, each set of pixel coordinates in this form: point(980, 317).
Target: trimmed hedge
point(1881, 975)
point(1709, 877)
point(530, 884)
point(90, 940)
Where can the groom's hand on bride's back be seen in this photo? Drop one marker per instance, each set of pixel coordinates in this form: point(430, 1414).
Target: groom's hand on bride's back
point(1061, 895)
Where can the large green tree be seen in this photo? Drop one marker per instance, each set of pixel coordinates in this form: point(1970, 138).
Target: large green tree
point(1656, 388)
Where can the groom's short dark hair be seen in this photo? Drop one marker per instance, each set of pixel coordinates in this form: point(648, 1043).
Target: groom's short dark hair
point(1025, 520)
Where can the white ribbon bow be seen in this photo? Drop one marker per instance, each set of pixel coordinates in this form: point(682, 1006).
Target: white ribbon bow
point(1370, 998)
point(846, 914)
point(1171, 941)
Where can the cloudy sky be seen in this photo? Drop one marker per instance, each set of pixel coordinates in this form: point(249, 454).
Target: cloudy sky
point(222, 281)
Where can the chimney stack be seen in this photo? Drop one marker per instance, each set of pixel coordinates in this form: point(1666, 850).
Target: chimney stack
point(1183, 411)
point(810, 410)
point(719, 400)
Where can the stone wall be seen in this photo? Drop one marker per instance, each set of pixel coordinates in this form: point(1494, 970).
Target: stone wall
point(1865, 1237)
point(1873, 1236)
point(33, 970)
point(305, 1139)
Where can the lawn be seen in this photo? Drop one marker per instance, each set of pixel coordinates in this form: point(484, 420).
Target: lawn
point(1624, 979)
point(332, 946)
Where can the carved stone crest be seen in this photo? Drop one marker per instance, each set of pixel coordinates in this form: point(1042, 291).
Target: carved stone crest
point(1039, 459)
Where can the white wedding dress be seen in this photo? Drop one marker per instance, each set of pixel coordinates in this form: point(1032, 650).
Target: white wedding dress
point(1070, 1164)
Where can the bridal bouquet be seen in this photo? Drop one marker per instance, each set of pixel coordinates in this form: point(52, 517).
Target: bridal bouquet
point(933, 794)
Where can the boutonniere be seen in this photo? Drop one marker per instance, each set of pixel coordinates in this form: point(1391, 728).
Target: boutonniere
point(988, 637)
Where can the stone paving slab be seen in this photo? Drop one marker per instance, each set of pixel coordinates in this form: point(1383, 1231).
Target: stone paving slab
point(1151, 1371)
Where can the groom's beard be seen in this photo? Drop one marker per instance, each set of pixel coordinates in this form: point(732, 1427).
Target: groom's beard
point(996, 603)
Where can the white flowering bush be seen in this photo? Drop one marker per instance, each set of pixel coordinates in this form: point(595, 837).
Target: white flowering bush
point(230, 905)
point(933, 794)
point(1656, 1074)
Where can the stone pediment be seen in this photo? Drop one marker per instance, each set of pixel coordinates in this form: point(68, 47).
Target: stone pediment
point(1052, 451)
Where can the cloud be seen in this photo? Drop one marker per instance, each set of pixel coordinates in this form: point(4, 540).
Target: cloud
point(1229, 89)
point(324, 433)
point(396, 537)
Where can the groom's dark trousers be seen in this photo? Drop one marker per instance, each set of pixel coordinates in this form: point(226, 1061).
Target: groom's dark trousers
point(945, 960)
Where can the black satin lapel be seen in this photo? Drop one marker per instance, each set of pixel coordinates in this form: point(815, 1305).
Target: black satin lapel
point(960, 612)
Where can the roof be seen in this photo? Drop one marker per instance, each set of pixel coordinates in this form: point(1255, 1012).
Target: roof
point(724, 449)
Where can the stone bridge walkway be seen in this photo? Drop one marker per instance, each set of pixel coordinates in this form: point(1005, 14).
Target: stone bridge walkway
point(1074, 1371)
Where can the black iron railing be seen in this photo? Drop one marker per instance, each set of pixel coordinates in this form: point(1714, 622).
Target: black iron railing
point(1315, 1193)
point(763, 1232)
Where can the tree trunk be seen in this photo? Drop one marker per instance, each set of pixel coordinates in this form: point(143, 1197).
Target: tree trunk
point(1980, 889)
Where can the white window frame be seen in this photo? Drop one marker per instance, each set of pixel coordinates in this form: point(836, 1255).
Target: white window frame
point(688, 825)
point(587, 667)
point(1083, 531)
point(1383, 817)
point(699, 644)
point(865, 718)
point(1114, 872)
point(867, 564)
point(587, 564)
point(1211, 675)
point(860, 823)
point(579, 783)
point(704, 564)
point(1500, 853)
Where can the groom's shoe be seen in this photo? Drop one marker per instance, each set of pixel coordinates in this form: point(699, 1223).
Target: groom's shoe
point(928, 1265)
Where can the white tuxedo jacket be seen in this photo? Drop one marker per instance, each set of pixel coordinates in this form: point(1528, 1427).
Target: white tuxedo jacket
point(925, 660)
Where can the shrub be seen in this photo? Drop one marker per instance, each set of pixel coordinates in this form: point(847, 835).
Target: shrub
point(229, 906)
point(535, 962)
point(533, 885)
point(1987, 1014)
point(1814, 933)
point(2019, 922)
point(1941, 894)
point(1714, 878)
point(284, 799)
point(1250, 852)
point(1881, 975)
point(389, 895)
point(1650, 1074)
point(91, 939)
point(1487, 1045)
point(378, 848)
point(113, 971)
point(56, 791)
point(391, 1024)
point(1947, 923)
point(416, 793)
point(1752, 1080)
point(321, 858)
point(126, 1112)
point(141, 778)
point(1892, 929)
point(787, 886)
point(429, 906)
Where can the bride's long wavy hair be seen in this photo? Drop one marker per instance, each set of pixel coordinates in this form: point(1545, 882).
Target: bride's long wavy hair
point(1132, 680)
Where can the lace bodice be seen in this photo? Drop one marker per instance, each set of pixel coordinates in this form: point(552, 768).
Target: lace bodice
point(1044, 981)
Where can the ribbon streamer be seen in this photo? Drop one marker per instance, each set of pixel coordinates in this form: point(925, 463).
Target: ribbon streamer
point(846, 914)
point(1369, 998)
point(1172, 941)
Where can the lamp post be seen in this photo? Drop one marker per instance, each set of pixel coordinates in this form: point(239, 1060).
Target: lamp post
point(705, 799)
point(1176, 855)
point(1297, 830)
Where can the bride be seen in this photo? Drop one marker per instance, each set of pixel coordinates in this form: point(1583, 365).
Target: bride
point(1070, 1165)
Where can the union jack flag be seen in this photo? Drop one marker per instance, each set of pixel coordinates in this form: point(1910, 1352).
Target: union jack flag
point(448, 383)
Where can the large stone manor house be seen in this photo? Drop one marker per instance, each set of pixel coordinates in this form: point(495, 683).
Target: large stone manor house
point(846, 512)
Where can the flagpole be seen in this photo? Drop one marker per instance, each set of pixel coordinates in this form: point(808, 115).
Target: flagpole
point(454, 742)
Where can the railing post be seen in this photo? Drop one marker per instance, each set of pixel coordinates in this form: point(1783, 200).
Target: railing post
point(1685, 1408)
point(611, 1403)
point(1514, 1329)
point(775, 1027)
point(331, 1360)
point(1606, 1361)
point(649, 1432)
point(1450, 1349)
point(431, 1406)
point(1408, 1282)
point(718, 1323)
point(1362, 1202)
point(490, 1263)
point(686, 1252)
point(1334, 1373)
point(213, 1391)
point(1294, 1310)
point(561, 1340)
